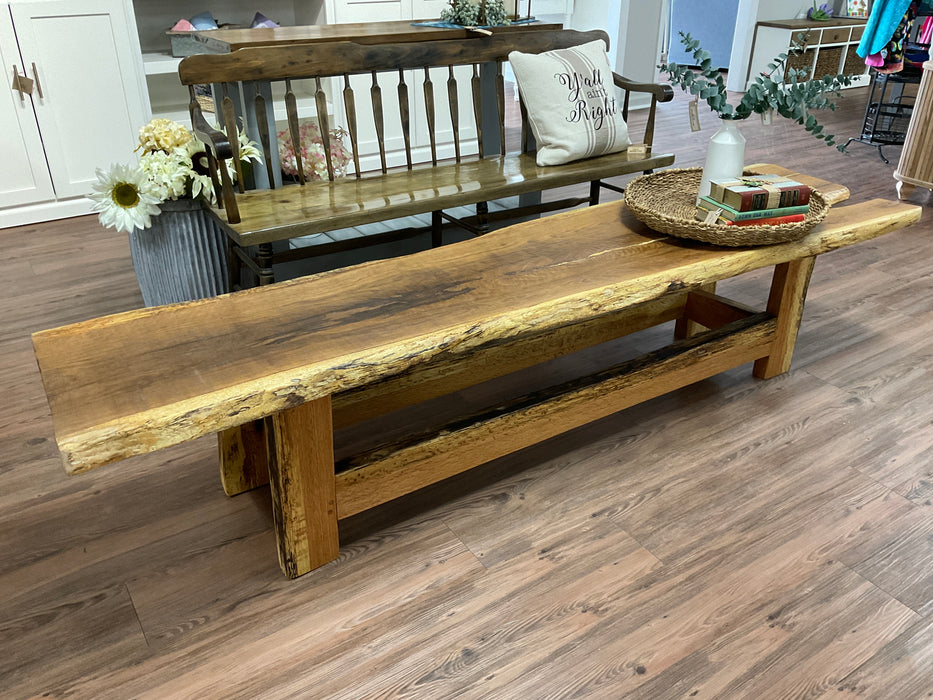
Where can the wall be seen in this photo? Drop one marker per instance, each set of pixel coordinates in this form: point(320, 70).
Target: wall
point(635, 31)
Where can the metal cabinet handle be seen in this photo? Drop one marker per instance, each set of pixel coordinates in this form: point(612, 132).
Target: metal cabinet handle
point(35, 75)
point(21, 84)
point(16, 85)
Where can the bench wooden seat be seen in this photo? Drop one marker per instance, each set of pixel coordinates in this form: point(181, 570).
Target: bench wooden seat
point(268, 216)
point(276, 369)
point(450, 94)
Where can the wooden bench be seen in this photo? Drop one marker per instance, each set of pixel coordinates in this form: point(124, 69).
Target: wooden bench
point(276, 369)
point(451, 94)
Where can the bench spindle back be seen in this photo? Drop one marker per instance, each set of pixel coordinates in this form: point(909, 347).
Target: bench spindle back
point(395, 134)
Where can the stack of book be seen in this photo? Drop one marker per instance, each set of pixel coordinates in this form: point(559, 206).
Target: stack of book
point(760, 200)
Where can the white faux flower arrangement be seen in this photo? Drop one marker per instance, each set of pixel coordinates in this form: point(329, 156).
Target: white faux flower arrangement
point(173, 165)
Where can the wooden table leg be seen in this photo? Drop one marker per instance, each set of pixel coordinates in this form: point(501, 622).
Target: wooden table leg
point(244, 461)
point(788, 293)
point(684, 327)
point(301, 471)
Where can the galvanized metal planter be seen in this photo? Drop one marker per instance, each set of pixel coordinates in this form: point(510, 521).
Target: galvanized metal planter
point(182, 257)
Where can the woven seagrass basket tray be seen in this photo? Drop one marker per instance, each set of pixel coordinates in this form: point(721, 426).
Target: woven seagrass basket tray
point(666, 202)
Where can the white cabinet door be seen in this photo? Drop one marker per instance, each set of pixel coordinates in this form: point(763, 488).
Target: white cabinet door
point(24, 177)
point(92, 85)
point(346, 11)
point(427, 9)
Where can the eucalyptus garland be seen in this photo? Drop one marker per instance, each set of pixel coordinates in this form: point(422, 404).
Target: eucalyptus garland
point(793, 98)
point(491, 13)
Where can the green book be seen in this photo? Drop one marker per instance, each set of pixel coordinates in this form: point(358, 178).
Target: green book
point(731, 214)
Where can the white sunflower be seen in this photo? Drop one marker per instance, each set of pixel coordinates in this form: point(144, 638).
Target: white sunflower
point(123, 199)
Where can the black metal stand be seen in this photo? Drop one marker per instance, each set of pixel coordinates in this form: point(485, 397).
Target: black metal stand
point(888, 115)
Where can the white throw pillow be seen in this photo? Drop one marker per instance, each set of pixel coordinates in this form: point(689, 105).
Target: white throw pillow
point(571, 101)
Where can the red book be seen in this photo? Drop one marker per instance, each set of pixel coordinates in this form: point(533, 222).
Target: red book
point(756, 192)
point(770, 221)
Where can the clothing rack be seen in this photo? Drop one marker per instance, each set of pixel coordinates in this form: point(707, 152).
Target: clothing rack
point(888, 116)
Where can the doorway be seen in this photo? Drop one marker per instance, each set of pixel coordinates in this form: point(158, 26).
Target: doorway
point(711, 22)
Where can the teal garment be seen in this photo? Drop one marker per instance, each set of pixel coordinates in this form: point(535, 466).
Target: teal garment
point(885, 17)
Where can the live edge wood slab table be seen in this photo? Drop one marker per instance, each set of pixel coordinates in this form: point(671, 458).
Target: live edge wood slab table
point(275, 369)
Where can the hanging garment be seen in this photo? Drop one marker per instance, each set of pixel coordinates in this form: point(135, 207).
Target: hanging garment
point(927, 32)
point(883, 21)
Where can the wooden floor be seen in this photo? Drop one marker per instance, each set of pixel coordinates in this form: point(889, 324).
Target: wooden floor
point(736, 539)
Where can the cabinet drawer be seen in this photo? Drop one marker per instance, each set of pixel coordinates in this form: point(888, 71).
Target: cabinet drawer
point(837, 35)
point(857, 33)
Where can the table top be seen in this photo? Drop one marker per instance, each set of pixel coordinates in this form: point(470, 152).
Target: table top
point(146, 379)
point(801, 24)
point(226, 40)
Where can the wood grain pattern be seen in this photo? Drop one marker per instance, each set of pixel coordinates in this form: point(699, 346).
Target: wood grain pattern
point(277, 219)
point(288, 212)
point(788, 294)
point(243, 457)
point(227, 40)
point(543, 574)
point(404, 108)
point(230, 124)
point(375, 93)
point(301, 475)
point(534, 282)
point(265, 135)
point(536, 418)
point(476, 87)
point(453, 102)
point(913, 167)
point(428, 88)
point(445, 375)
point(349, 104)
point(320, 104)
point(321, 59)
point(291, 111)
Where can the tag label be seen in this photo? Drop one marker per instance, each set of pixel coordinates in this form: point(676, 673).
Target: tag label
point(638, 149)
point(712, 216)
point(767, 118)
point(694, 116)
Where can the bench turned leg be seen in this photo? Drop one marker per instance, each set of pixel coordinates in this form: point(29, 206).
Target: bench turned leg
point(788, 293)
point(304, 501)
point(244, 463)
point(264, 253)
point(482, 216)
point(437, 229)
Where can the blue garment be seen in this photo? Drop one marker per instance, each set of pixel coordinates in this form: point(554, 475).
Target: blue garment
point(882, 23)
point(885, 16)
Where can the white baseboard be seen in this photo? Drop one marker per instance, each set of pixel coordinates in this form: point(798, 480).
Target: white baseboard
point(47, 211)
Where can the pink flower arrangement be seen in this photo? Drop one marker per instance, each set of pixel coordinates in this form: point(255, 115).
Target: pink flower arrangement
point(311, 149)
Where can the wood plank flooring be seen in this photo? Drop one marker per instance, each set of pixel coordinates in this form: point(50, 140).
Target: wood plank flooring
point(738, 538)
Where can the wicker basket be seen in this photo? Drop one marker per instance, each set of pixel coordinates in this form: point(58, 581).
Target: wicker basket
point(666, 202)
point(802, 60)
point(827, 63)
point(854, 64)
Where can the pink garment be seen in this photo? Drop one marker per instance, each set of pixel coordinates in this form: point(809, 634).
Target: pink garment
point(183, 25)
point(927, 32)
point(875, 60)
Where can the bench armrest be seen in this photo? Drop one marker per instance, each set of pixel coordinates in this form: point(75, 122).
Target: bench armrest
point(658, 92)
point(662, 93)
point(219, 150)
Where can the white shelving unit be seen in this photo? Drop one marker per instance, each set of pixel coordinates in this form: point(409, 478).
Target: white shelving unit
point(830, 47)
point(167, 97)
point(160, 63)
